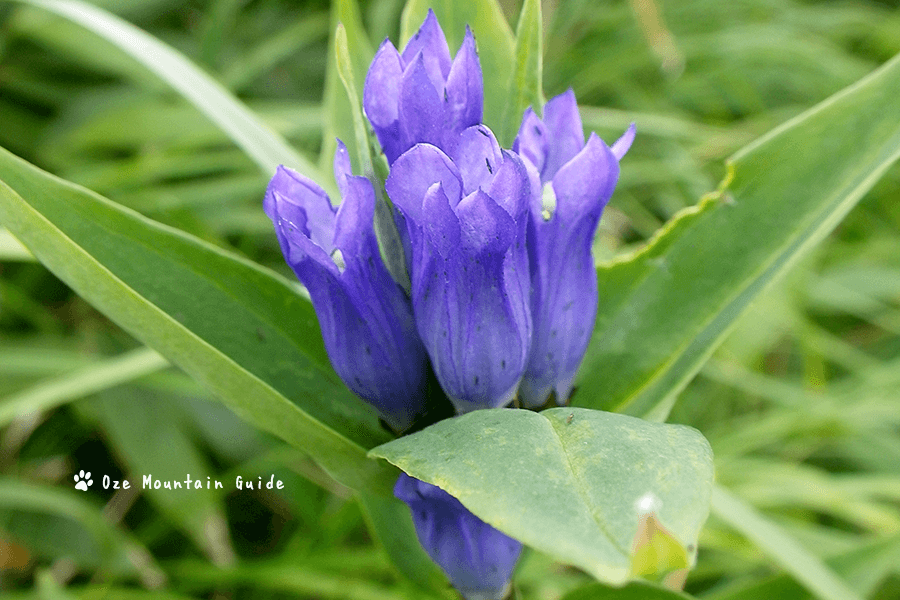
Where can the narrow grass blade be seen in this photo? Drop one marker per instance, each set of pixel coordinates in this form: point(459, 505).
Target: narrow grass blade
point(83, 382)
point(265, 147)
point(664, 310)
point(526, 79)
point(785, 550)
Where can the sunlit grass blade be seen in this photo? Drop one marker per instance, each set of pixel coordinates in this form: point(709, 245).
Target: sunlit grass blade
point(265, 147)
point(526, 79)
point(339, 120)
point(785, 550)
point(83, 382)
point(866, 566)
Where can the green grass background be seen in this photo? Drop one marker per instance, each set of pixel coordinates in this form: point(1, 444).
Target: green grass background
point(801, 403)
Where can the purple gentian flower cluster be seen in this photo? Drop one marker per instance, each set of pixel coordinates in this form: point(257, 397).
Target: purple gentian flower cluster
point(503, 290)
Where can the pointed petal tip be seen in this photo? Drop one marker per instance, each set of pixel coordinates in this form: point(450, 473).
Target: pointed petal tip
point(430, 38)
point(563, 103)
point(386, 42)
point(381, 90)
point(341, 166)
point(621, 145)
point(567, 98)
point(469, 36)
point(353, 224)
point(431, 23)
point(469, 45)
point(584, 185)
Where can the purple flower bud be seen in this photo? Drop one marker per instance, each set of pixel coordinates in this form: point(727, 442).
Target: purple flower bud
point(571, 184)
point(466, 221)
point(419, 95)
point(478, 559)
point(365, 317)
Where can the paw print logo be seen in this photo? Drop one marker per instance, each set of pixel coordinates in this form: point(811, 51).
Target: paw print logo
point(83, 481)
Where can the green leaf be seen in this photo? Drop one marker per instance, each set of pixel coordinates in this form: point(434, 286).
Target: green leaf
point(340, 121)
point(12, 250)
point(664, 310)
point(345, 72)
point(574, 483)
point(526, 79)
point(496, 43)
point(234, 327)
point(265, 147)
point(637, 590)
point(790, 555)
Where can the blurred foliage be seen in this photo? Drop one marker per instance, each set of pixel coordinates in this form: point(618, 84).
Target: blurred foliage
point(801, 404)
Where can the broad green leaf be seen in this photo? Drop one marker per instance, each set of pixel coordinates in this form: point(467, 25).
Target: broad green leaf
point(13, 250)
point(637, 590)
point(790, 555)
point(574, 483)
point(526, 79)
point(236, 328)
point(664, 310)
point(496, 44)
point(79, 383)
point(265, 147)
